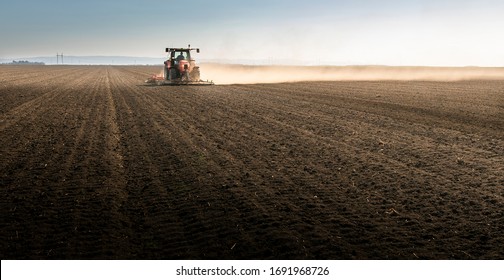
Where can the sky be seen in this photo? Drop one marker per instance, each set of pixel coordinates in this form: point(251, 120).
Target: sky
point(337, 32)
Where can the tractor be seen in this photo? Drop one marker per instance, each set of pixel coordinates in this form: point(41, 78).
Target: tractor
point(179, 69)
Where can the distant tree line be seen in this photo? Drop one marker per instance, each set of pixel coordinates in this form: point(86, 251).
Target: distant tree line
point(25, 62)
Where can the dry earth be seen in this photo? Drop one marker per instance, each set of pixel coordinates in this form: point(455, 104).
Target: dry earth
point(95, 165)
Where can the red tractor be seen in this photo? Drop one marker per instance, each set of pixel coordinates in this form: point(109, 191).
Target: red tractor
point(179, 69)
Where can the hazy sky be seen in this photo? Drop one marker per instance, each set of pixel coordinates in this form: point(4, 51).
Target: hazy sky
point(391, 32)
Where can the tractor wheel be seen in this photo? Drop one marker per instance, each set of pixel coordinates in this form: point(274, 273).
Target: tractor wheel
point(173, 74)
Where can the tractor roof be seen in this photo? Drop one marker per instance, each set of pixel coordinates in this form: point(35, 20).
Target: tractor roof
point(181, 49)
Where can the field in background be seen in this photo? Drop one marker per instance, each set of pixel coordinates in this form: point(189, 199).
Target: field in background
point(94, 164)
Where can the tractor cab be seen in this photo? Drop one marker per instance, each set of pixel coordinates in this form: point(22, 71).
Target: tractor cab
point(177, 56)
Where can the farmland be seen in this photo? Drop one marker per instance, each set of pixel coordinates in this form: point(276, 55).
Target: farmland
point(95, 165)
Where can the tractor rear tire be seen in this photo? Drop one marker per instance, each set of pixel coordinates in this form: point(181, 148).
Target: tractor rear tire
point(173, 74)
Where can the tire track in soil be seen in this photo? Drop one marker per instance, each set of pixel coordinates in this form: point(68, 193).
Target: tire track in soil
point(147, 202)
point(104, 233)
point(184, 199)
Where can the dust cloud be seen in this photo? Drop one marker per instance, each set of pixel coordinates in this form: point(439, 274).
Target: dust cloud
point(244, 74)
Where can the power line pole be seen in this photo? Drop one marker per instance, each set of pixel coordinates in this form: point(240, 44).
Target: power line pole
point(57, 58)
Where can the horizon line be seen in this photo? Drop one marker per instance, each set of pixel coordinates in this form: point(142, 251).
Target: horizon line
point(245, 62)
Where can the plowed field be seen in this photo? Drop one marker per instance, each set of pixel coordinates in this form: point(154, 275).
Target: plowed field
point(95, 165)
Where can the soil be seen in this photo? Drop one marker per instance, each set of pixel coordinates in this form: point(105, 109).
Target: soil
point(95, 165)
